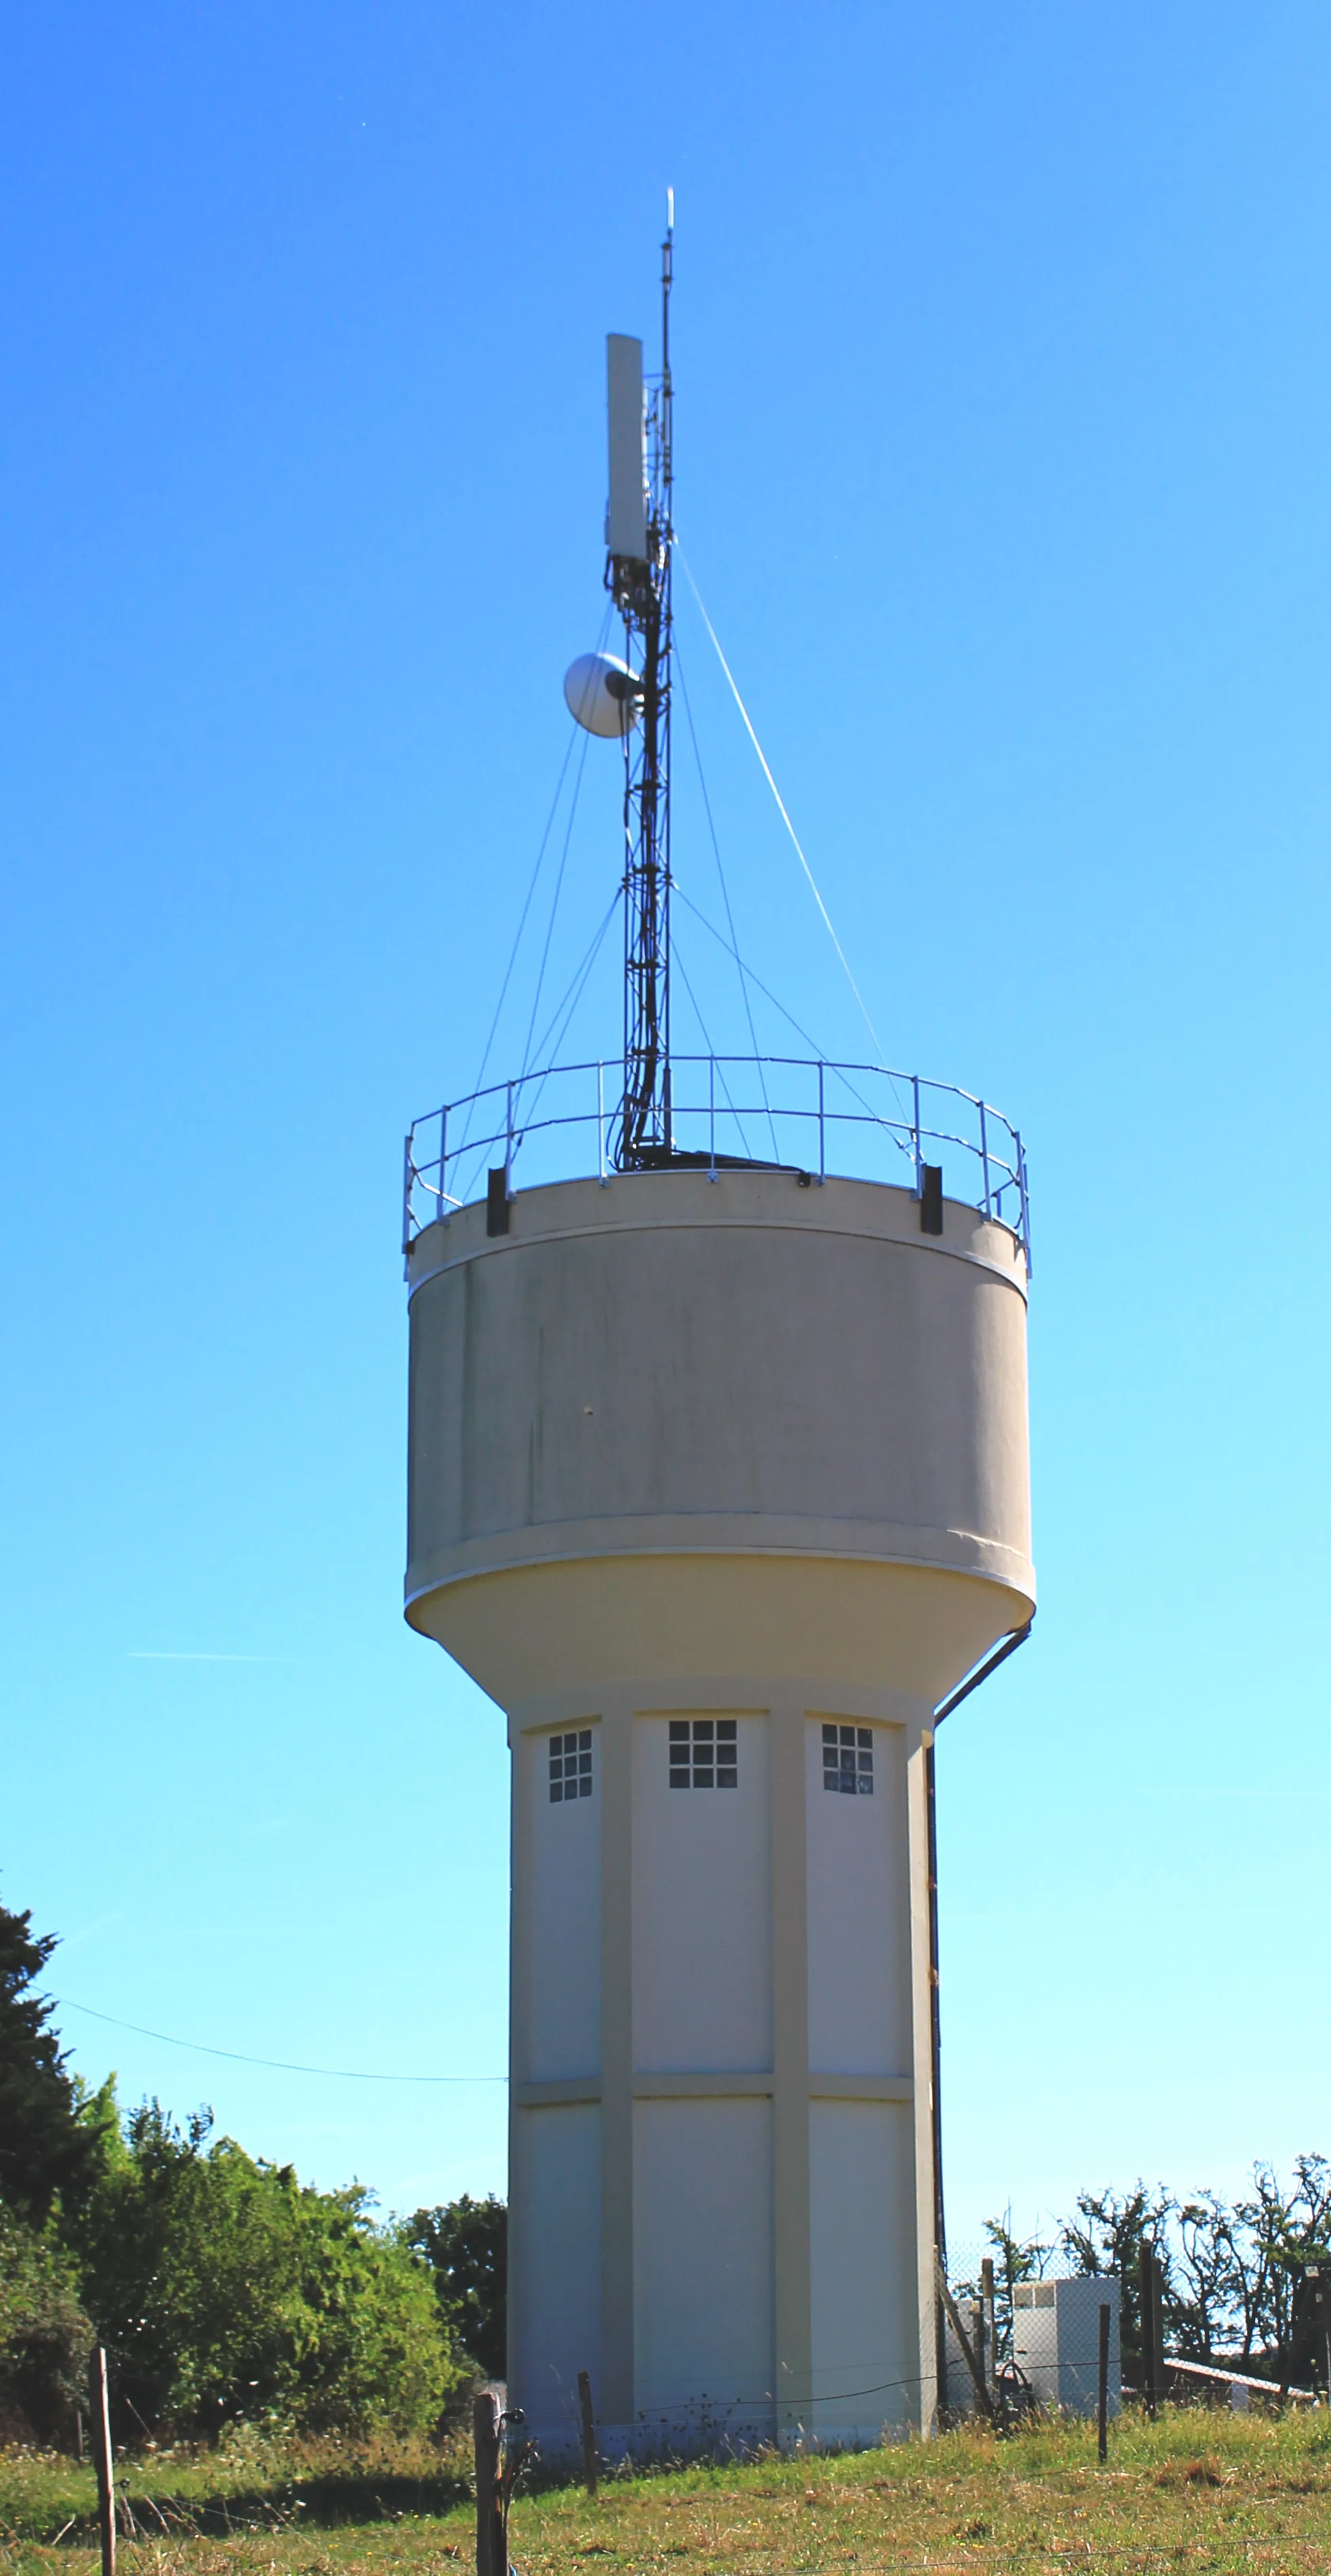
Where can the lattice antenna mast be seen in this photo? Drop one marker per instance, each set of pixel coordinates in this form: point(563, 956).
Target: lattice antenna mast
point(640, 538)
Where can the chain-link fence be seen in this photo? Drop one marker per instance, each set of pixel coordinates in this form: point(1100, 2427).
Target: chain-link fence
point(1022, 2329)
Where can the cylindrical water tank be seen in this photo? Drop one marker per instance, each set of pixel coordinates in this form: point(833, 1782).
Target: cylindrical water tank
point(718, 1485)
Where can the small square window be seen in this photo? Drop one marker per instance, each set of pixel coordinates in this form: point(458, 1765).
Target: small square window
point(704, 1753)
point(848, 1760)
point(571, 1774)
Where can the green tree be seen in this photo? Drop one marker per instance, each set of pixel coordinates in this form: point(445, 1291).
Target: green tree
point(224, 2289)
point(1015, 2259)
point(1107, 2235)
point(1283, 2228)
point(50, 2145)
point(45, 2338)
point(465, 2243)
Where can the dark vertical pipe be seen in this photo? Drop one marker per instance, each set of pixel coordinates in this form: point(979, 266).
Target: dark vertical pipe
point(990, 1665)
point(936, 2071)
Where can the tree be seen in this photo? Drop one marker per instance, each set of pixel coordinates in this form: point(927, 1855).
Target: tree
point(1113, 2228)
point(465, 2242)
point(1284, 2229)
point(1210, 2308)
point(225, 2290)
point(45, 2338)
point(50, 2147)
point(1016, 2259)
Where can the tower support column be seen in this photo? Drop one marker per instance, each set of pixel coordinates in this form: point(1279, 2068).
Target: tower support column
point(787, 1725)
point(615, 2402)
point(922, 2002)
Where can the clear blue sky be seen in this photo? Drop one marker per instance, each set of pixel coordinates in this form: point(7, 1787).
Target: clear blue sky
point(1002, 366)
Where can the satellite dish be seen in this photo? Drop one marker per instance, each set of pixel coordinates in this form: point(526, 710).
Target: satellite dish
point(604, 694)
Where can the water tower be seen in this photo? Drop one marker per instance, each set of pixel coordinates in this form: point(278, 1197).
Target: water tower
point(718, 1487)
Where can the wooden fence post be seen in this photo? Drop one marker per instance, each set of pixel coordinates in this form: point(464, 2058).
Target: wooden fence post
point(588, 2431)
point(101, 2452)
point(983, 2398)
point(1158, 2328)
point(1146, 2308)
point(1103, 2409)
point(490, 2551)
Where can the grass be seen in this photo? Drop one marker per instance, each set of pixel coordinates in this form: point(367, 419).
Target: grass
point(1195, 2491)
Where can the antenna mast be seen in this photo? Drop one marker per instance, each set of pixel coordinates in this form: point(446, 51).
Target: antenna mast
point(639, 583)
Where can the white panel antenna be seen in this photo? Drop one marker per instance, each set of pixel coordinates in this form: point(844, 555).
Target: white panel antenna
point(626, 517)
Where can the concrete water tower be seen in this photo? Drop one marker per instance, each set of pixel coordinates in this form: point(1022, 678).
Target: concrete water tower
point(718, 1486)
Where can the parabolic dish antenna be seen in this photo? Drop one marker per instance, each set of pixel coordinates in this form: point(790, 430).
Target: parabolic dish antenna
point(604, 694)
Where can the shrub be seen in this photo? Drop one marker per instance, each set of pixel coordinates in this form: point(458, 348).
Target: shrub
point(465, 2244)
point(45, 2338)
point(225, 2290)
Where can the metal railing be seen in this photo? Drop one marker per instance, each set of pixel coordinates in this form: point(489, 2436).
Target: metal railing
point(783, 1113)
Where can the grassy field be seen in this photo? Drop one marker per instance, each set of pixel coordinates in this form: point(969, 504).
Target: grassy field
point(1195, 2491)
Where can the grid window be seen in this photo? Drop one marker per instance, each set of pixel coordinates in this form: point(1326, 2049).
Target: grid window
point(570, 1766)
point(704, 1753)
point(848, 1760)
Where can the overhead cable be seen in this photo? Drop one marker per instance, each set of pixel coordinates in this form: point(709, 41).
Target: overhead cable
point(276, 2065)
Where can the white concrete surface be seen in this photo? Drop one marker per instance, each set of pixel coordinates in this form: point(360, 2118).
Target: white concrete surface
point(857, 1867)
point(563, 2000)
point(862, 2236)
point(702, 1911)
point(702, 2234)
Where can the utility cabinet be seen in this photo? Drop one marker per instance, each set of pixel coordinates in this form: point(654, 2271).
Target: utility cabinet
point(1056, 2341)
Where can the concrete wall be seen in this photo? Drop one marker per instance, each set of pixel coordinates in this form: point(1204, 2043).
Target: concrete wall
point(740, 1451)
point(670, 1367)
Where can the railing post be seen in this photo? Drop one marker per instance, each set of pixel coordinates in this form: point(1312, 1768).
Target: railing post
point(508, 1145)
point(443, 1165)
point(406, 1192)
point(711, 1117)
point(984, 1156)
point(822, 1135)
point(600, 1124)
point(919, 1158)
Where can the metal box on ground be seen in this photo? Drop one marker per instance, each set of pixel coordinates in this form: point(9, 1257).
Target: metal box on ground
point(1056, 2341)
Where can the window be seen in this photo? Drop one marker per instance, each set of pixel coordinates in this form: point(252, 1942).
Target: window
point(704, 1752)
point(848, 1760)
point(571, 1766)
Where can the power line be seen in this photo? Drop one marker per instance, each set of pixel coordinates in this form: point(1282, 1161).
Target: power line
point(276, 2065)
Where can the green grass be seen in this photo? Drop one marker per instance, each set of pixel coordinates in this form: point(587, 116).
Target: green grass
point(1196, 2491)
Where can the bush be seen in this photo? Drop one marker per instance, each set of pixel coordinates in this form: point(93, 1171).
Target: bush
point(45, 2338)
point(465, 2244)
point(224, 2290)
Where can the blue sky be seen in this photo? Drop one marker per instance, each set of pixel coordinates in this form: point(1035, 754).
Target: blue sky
point(1001, 350)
